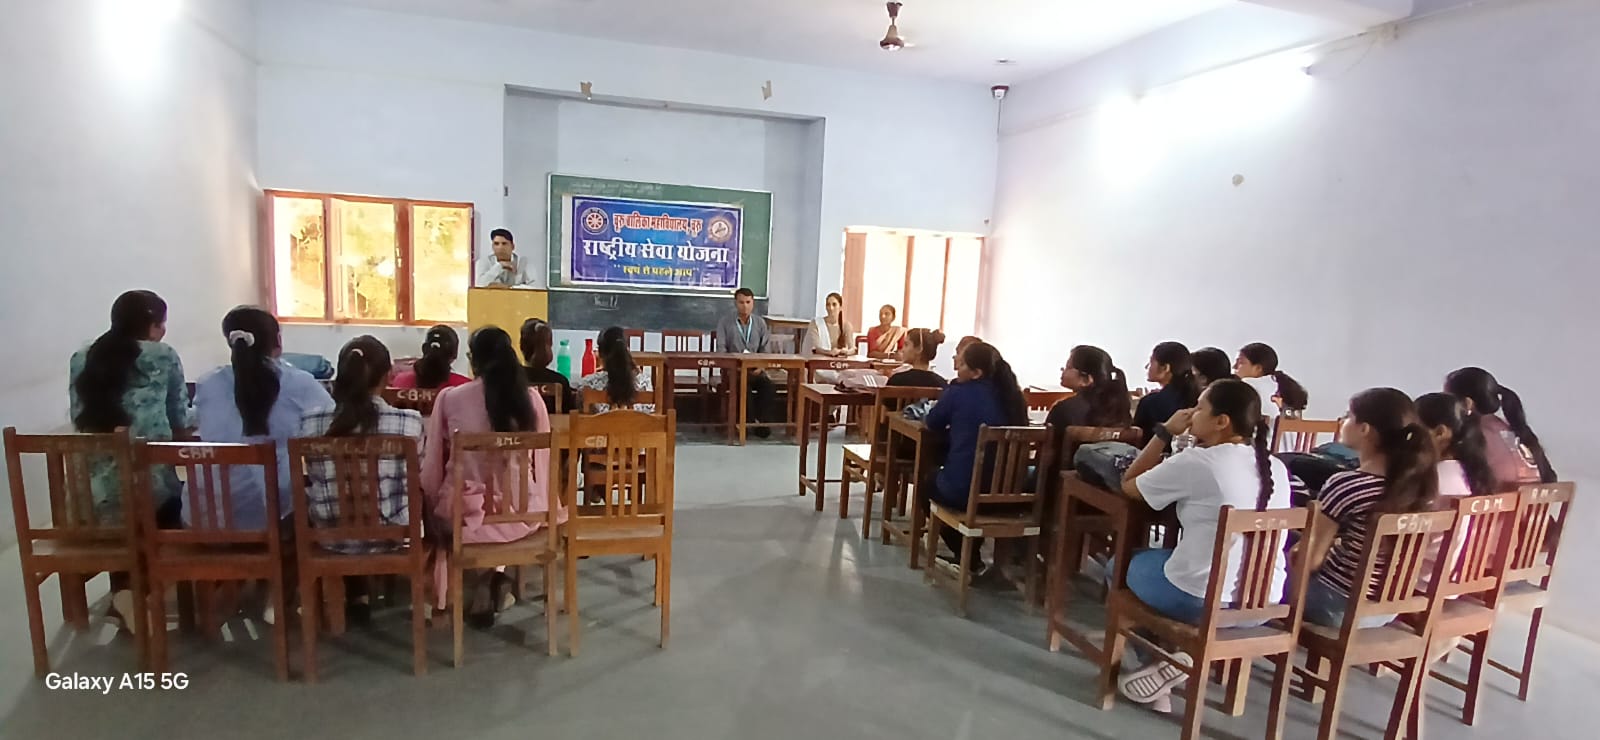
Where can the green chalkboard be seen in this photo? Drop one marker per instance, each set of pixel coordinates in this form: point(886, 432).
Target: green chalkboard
point(757, 207)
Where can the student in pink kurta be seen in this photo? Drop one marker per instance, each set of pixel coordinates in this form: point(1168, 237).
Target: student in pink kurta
point(499, 400)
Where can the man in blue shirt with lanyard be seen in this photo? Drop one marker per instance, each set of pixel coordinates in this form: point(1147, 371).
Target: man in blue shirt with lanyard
point(747, 332)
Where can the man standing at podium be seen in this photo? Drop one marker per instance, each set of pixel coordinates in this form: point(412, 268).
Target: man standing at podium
point(504, 268)
point(747, 332)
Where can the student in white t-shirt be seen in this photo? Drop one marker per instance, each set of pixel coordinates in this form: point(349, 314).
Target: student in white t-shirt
point(1257, 365)
point(1229, 466)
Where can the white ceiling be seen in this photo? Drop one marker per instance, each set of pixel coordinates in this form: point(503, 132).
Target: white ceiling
point(956, 39)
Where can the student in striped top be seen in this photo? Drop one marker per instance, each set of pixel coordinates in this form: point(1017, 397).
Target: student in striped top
point(1397, 475)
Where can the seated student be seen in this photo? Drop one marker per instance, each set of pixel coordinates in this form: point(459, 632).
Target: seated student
point(918, 351)
point(1513, 449)
point(129, 378)
point(255, 398)
point(985, 392)
point(1228, 466)
point(964, 343)
point(1210, 365)
point(885, 339)
point(831, 335)
point(359, 409)
point(439, 349)
point(1258, 365)
point(1100, 392)
point(619, 377)
point(499, 400)
point(1169, 367)
point(1397, 475)
point(538, 349)
point(1463, 467)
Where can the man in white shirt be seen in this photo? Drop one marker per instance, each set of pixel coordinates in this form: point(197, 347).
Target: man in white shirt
point(503, 267)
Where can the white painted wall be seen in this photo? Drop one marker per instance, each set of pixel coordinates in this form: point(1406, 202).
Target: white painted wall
point(125, 162)
point(1413, 207)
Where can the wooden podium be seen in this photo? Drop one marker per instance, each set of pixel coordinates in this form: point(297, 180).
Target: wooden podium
point(506, 308)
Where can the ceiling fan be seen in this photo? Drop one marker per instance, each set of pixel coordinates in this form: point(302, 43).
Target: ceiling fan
point(892, 40)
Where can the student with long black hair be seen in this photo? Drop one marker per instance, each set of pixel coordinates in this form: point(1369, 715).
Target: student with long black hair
point(1257, 365)
point(440, 347)
point(129, 378)
point(498, 400)
point(1514, 451)
point(619, 377)
point(1458, 443)
point(256, 397)
point(1100, 392)
point(985, 393)
point(918, 351)
point(1210, 365)
point(1397, 475)
point(1170, 367)
point(538, 350)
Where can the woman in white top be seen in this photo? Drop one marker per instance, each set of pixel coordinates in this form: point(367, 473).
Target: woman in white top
point(1463, 466)
point(620, 377)
point(1229, 466)
point(1257, 365)
point(831, 335)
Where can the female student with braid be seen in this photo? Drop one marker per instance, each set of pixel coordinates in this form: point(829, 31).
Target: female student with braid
point(1514, 450)
point(1100, 392)
point(1463, 467)
point(1229, 465)
point(1170, 367)
point(618, 375)
point(1397, 475)
point(1258, 365)
point(439, 350)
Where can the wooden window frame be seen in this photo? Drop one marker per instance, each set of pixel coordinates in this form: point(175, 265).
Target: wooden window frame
point(404, 278)
point(855, 259)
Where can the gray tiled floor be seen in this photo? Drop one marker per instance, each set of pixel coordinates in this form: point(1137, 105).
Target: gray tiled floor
point(786, 625)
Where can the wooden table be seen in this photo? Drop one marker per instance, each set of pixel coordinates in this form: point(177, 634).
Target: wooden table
point(749, 362)
point(825, 397)
point(1084, 508)
point(911, 430)
point(726, 363)
point(835, 364)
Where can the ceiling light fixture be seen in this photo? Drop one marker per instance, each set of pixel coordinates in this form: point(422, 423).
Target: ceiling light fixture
point(891, 40)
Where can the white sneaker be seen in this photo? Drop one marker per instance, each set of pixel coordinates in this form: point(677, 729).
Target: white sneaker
point(1154, 681)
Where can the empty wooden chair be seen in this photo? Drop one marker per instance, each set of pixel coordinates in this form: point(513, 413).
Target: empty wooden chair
point(76, 545)
point(1301, 434)
point(212, 547)
point(352, 538)
point(683, 340)
point(415, 399)
point(1385, 585)
point(635, 339)
point(634, 514)
point(508, 500)
point(868, 462)
point(999, 504)
point(1040, 399)
point(1542, 511)
point(1235, 629)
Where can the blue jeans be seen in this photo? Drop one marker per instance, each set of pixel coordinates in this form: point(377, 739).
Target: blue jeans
point(1325, 606)
point(1147, 579)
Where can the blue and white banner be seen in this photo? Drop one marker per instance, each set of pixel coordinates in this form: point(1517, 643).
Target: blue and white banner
point(652, 243)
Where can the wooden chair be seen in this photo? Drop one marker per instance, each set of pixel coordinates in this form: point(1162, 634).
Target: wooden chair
point(212, 547)
point(1384, 588)
point(683, 340)
point(556, 393)
point(591, 397)
point(999, 505)
point(1542, 511)
point(868, 462)
point(634, 516)
point(1040, 399)
point(352, 466)
point(415, 399)
point(75, 546)
point(635, 339)
point(1472, 585)
point(508, 499)
point(1302, 433)
point(1235, 629)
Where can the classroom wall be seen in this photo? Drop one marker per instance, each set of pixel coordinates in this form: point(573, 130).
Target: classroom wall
point(1413, 206)
point(378, 103)
point(126, 155)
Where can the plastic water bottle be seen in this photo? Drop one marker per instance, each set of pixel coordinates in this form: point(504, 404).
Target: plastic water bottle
point(1182, 442)
point(564, 360)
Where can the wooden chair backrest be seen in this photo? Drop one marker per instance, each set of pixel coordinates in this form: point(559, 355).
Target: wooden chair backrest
point(207, 470)
point(783, 343)
point(1390, 585)
point(592, 397)
point(892, 401)
point(1485, 528)
point(683, 340)
point(1541, 517)
point(352, 466)
point(637, 478)
point(635, 339)
point(1039, 399)
point(1000, 467)
point(70, 460)
point(1261, 536)
point(1304, 433)
point(555, 393)
point(1074, 437)
point(508, 460)
point(414, 399)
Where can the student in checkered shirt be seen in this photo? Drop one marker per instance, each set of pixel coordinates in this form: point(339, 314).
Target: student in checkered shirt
point(359, 409)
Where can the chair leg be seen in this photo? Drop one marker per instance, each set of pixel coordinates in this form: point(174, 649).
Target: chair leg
point(1283, 666)
point(888, 510)
point(664, 591)
point(1030, 578)
point(1404, 720)
point(310, 621)
point(141, 621)
point(918, 522)
point(1527, 655)
point(866, 506)
point(419, 622)
point(550, 606)
point(457, 613)
point(75, 602)
point(155, 603)
point(1480, 655)
point(1111, 660)
point(571, 585)
point(1195, 699)
point(961, 573)
point(1236, 675)
point(280, 625)
point(1328, 728)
